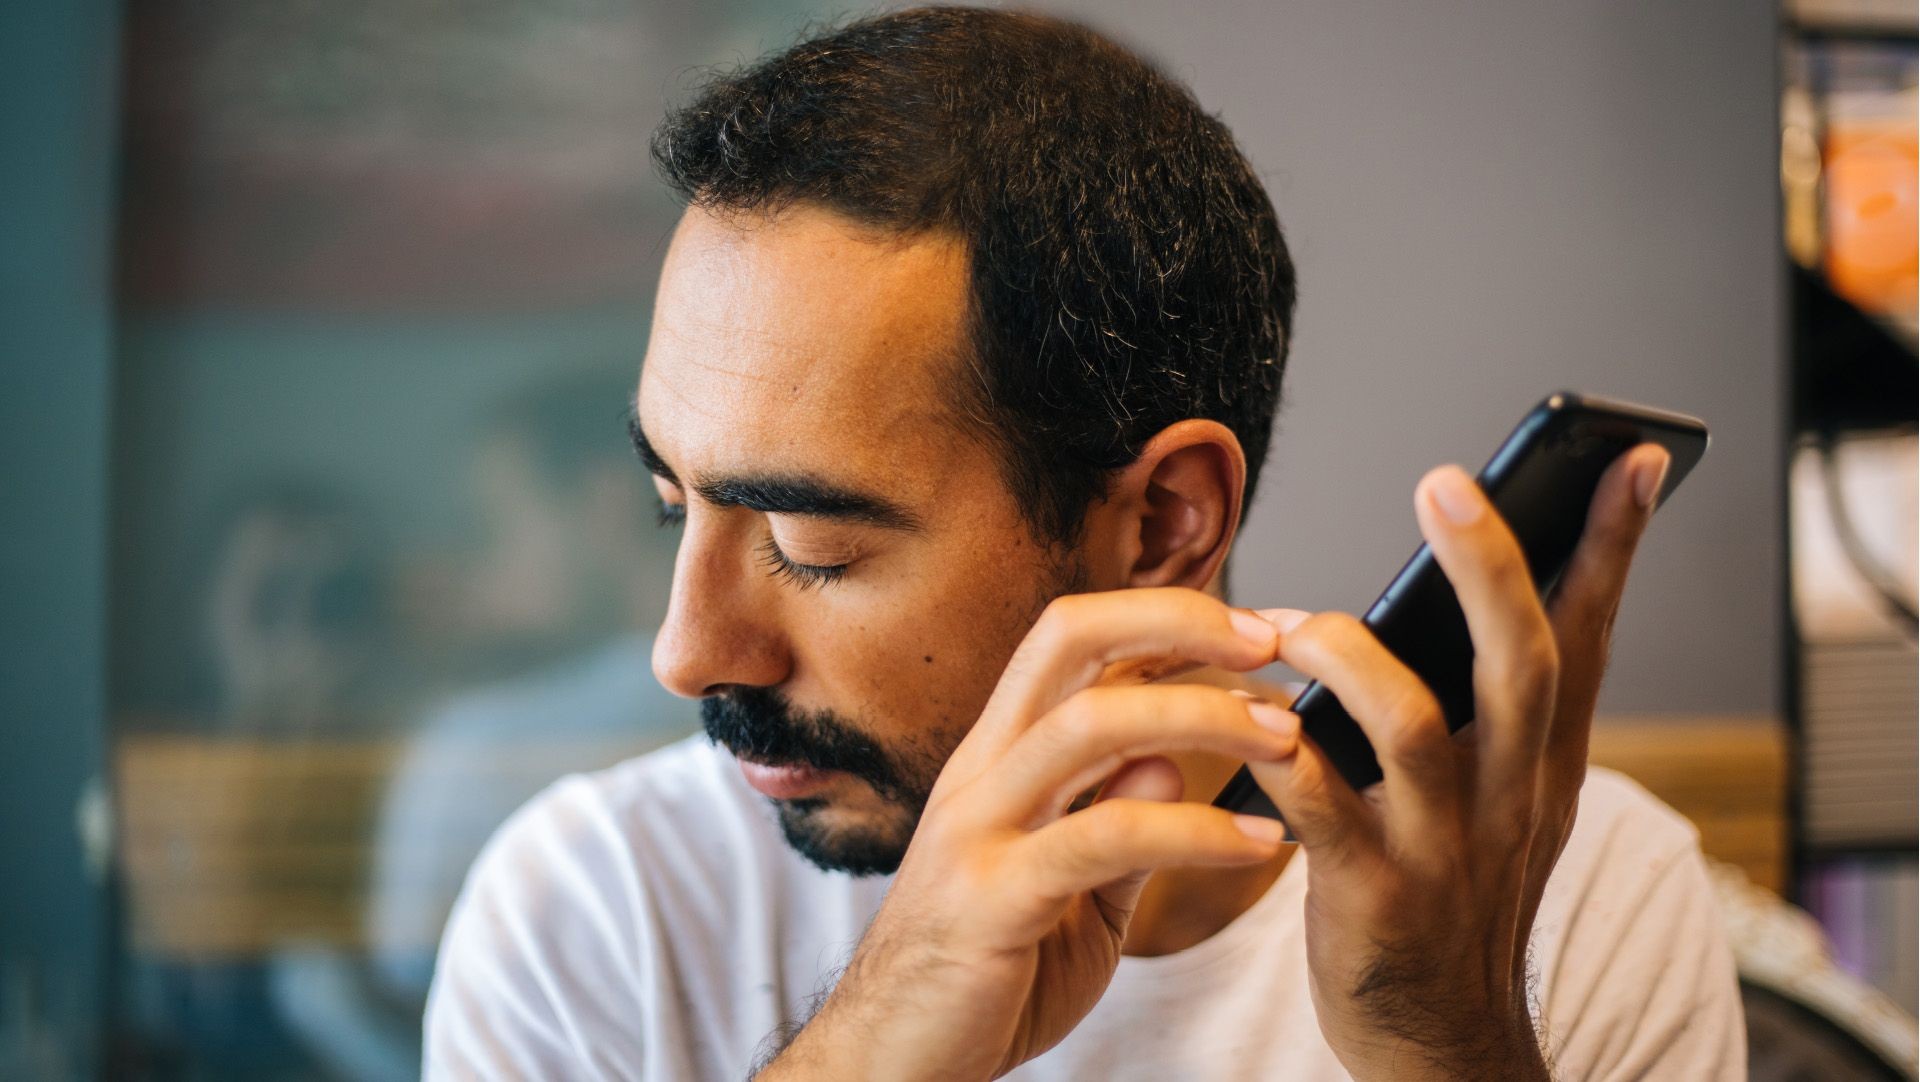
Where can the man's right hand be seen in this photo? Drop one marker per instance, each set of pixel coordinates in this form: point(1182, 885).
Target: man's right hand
point(1004, 923)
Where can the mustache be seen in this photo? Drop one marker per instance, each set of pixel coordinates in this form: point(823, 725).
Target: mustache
point(759, 724)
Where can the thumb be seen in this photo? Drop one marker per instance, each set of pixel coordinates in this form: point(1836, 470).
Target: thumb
point(1153, 778)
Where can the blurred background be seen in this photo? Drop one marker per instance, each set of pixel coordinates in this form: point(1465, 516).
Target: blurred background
point(324, 549)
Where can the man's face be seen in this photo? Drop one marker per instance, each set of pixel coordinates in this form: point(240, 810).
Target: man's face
point(854, 573)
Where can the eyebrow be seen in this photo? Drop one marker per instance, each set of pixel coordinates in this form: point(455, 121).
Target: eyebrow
point(780, 493)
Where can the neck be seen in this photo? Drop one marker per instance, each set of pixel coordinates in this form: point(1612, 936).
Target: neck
point(1180, 907)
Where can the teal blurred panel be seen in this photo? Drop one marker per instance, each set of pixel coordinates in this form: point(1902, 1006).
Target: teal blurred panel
point(58, 73)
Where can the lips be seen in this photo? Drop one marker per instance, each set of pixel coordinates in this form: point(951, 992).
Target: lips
point(785, 782)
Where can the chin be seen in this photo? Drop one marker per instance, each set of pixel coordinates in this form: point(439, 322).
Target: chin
point(841, 840)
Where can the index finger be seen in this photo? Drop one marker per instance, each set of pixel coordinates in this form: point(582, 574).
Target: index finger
point(1587, 597)
point(1515, 662)
point(1119, 636)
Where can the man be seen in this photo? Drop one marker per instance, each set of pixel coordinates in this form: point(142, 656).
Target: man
point(963, 367)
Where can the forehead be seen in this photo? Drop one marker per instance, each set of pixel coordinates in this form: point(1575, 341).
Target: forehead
point(803, 340)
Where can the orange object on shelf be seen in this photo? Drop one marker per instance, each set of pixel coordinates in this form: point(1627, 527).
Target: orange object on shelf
point(1872, 257)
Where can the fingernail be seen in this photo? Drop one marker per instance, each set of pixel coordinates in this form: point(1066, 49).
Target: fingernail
point(1251, 627)
point(1648, 477)
point(1457, 496)
point(1284, 620)
point(1271, 716)
point(1264, 831)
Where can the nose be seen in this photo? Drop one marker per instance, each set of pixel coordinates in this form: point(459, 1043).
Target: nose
point(715, 635)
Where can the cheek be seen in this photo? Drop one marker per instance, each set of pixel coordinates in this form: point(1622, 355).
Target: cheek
point(936, 655)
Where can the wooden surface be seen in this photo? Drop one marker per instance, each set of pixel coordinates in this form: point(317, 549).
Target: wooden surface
point(232, 847)
point(1727, 774)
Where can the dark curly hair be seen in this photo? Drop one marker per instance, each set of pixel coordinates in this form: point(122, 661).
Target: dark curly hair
point(1128, 271)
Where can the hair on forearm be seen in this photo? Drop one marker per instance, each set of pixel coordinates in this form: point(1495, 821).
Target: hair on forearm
point(777, 1041)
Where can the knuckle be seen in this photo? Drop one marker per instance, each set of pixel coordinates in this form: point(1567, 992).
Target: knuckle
point(1107, 827)
point(1513, 811)
point(1508, 570)
point(1544, 665)
point(1333, 832)
point(1543, 651)
point(1076, 722)
point(1415, 731)
point(1530, 665)
point(1325, 634)
point(1199, 704)
point(1191, 715)
point(1534, 670)
point(1060, 616)
point(1412, 715)
point(1441, 856)
point(1052, 634)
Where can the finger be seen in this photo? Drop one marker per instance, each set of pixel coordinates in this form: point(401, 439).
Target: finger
point(1549, 841)
point(1096, 731)
point(1515, 657)
point(1118, 840)
point(1152, 778)
point(1402, 719)
point(1080, 635)
point(1587, 598)
point(1322, 811)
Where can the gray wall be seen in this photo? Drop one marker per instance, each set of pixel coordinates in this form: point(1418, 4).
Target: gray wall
point(1488, 202)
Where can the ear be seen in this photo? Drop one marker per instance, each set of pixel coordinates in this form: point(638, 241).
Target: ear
point(1178, 505)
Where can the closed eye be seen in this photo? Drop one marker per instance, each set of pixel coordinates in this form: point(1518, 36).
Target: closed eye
point(804, 576)
point(673, 515)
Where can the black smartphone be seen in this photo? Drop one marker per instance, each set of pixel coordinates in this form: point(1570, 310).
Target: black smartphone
point(1542, 480)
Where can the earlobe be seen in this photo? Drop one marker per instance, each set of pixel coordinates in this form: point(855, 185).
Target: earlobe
point(1188, 483)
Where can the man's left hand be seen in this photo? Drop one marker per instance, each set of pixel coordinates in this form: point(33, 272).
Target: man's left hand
point(1422, 891)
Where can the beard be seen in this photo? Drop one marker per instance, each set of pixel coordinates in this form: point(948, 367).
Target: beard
point(760, 725)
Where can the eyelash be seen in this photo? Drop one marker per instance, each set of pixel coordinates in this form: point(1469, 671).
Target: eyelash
point(804, 576)
point(801, 575)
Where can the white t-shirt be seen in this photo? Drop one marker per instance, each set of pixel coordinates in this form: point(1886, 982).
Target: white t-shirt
point(649, 922)
point(448, 793)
